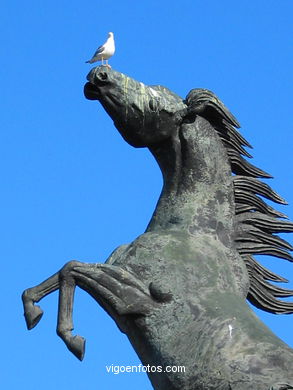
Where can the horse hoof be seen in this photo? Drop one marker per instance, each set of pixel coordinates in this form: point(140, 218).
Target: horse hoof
point(77, 346)
point(33, 316)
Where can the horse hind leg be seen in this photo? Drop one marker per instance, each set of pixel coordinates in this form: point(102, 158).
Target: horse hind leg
point(32, 312)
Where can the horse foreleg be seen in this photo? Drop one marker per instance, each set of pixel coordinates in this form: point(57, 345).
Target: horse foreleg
point(33, 313)
point(67, 284)
point(116, 290)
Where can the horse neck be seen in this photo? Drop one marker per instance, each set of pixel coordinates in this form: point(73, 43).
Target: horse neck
point(197, 195)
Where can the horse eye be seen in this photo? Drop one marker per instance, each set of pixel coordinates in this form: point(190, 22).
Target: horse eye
point(152, 105)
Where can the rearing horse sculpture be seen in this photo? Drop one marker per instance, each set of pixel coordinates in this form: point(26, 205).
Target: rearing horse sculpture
point(179, 290)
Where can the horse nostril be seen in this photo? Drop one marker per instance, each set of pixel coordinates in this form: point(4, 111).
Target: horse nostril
point(103, 76)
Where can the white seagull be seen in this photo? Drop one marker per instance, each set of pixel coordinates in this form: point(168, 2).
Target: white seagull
point(105, 51)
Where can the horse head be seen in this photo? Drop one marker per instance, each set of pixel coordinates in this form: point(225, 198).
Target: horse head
point(144, 115)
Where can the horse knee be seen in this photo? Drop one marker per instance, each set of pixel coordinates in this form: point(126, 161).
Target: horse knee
point(67, 269)
point(27, 295)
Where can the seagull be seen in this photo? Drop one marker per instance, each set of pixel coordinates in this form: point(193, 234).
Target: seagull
point(105, 51)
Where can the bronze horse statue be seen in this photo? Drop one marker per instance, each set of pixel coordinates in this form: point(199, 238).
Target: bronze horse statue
point(179, 290)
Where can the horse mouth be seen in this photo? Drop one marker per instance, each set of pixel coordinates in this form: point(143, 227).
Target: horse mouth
point(91, 92)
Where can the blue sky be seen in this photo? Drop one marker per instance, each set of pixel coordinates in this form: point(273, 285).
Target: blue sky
point(73, 189)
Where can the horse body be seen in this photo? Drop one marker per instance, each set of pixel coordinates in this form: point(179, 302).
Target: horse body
point(210, 331)
point(179, 290)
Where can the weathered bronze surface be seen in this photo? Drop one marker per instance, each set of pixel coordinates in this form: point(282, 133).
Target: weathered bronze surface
point(179, 290)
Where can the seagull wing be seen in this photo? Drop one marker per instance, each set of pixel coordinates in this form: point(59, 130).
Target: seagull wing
point(99, 50)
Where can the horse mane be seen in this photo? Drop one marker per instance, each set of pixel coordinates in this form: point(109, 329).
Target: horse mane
point(256, 221)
